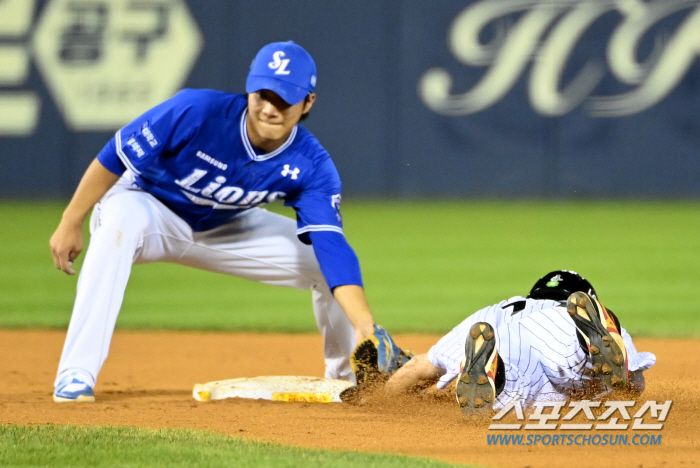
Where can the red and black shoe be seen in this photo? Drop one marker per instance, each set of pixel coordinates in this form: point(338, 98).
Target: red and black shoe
point(598, 329)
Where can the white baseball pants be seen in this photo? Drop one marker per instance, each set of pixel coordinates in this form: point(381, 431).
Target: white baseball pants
point(130, 226)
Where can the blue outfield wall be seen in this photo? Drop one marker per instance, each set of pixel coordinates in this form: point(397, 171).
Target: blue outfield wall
point(485, 98)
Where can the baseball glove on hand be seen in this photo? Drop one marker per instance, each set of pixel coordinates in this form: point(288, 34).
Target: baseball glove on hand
point(373, 361)
point(377, 357)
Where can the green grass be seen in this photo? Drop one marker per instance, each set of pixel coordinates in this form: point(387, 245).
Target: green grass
point(73, 446)
point(426, 267)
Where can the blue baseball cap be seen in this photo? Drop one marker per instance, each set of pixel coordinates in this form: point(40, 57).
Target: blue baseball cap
point(285, 68)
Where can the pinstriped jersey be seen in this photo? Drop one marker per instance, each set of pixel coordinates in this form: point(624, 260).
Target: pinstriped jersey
point(192, 152)
point(449, 351)
point(548, 331)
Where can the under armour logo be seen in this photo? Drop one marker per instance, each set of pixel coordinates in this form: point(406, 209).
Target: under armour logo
point(287, 171)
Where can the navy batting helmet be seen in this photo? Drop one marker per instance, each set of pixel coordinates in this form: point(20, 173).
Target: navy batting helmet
point(559, 285)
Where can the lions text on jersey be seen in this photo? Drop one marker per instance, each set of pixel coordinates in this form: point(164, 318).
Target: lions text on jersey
point(193, 153)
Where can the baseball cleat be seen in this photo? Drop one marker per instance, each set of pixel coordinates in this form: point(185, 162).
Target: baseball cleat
point(605, 345)
point(476, 387)
point(72, 389)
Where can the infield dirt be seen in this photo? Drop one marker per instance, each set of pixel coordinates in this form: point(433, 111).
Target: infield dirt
point(148, 378)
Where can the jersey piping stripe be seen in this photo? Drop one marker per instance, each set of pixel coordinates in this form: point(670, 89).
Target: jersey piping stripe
point(319, 227)
point(122, 155)
point(249, 147)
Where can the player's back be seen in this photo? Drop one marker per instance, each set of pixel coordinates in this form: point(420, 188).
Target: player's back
point(448, 352)
point(509, 310)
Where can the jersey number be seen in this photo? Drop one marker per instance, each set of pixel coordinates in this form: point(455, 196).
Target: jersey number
point(518, 306)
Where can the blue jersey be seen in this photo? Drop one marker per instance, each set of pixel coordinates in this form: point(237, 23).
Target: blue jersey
point(192, 152)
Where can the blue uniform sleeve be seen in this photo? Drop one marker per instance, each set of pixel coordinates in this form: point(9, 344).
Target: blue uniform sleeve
point(109, 159)
point(318, 204)
point(159, 132)
point(338, 261)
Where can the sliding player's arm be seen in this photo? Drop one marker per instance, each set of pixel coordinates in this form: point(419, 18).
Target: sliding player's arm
point(417, 371)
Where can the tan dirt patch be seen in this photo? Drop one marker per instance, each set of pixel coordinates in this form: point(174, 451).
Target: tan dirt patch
point(147, 381)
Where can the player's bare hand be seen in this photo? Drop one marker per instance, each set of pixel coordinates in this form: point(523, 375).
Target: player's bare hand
point(66, 244)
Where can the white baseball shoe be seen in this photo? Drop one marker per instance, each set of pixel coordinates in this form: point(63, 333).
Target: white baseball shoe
point(71, 388)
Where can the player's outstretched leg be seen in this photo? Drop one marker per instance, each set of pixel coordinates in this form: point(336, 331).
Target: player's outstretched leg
point(605, 345)
point(476, 384)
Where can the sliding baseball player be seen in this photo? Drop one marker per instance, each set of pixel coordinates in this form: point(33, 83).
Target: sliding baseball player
point(557, 342)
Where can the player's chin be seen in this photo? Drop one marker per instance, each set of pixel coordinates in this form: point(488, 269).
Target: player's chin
point(271, 132)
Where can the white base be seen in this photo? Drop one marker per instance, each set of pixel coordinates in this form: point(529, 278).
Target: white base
point(275, 388)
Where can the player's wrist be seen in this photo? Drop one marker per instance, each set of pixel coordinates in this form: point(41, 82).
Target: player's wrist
point(73, 218)
point(364, 330)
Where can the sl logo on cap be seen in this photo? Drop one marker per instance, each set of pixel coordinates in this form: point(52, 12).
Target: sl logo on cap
point(279, 64)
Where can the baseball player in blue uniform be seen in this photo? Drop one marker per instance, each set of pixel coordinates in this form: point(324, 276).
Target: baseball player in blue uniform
point(185, 183)
point(557, 342)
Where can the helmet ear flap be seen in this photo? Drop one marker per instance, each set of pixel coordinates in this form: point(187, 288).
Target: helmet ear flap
point(559, 284)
